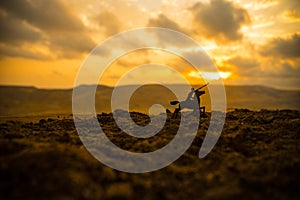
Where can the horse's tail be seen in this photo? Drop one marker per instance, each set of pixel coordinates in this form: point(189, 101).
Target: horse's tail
point(174, 102)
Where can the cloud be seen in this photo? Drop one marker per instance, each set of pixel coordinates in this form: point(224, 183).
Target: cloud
point(200, 59)
point(283, 47)
point(219, 20)
point(292, 8)
point(48, 23)
point(167, 37)
point(242, 62)
point(134, 59)
point(243, 66)
point(164, 22)
point(46, 14)
point(14, 31)
point(263, 67)
point(19, 51)
point(69, 45)
point(289, 70)
point(109, 22)
point(274, 68)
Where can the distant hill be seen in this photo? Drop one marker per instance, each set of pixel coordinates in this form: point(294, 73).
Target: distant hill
point(32, 101)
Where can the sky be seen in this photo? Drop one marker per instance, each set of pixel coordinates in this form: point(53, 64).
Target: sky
point(252, 42)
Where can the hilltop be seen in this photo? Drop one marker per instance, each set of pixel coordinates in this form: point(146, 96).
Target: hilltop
point(17, 101)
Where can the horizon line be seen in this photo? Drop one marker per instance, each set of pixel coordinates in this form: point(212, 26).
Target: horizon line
point(71, 88)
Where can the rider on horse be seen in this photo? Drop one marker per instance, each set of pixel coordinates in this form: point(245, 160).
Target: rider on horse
point(193, 96)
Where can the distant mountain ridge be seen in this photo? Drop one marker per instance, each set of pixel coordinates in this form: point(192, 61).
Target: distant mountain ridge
point(19, 100)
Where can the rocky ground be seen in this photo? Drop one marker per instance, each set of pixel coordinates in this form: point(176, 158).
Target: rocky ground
point(256, 157)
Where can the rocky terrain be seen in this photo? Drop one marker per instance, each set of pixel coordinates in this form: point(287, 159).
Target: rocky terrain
point(256, 157)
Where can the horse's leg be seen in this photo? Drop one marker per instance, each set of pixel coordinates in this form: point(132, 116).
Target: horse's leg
point(175, 113)
point(177, 110)
point(202, 110)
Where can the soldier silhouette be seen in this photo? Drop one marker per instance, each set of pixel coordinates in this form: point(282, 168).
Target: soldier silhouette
point(194, 95)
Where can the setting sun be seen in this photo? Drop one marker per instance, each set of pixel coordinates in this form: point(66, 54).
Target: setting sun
point(210, 75)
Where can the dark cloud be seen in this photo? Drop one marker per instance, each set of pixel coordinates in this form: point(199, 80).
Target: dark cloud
point(15, 31)
point(101, 51)
point(220, 20)
point(280, 70)
point(200, 59)
point(243, 66)
point(289, 71)
point(272, 67)
point(48, 23)
point(167, 37)
point(243, 63)
point(70, 44)
point(283, 48)
point(46, 14)
point(164, 22)
point(109, 22)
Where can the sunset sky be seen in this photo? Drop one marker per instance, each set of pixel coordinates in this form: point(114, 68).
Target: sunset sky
point(252, 42)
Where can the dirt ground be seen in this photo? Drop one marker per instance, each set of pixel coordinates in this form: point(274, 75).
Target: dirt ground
point(256, 157)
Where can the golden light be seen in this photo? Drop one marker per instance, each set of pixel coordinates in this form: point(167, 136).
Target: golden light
point(210, 75)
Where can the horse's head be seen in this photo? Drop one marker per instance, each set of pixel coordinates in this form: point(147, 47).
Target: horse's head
point(199, 93)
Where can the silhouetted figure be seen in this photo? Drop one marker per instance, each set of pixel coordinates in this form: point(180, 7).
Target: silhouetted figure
point(193, 96)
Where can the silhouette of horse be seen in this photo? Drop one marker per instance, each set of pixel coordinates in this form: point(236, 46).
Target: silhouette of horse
point(188, 103)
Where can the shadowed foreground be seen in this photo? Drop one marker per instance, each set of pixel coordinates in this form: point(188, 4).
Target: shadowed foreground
point(256, 157)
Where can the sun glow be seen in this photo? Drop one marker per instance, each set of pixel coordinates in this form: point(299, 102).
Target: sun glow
point(210, 75)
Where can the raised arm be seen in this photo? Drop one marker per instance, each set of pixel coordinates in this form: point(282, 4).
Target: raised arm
point(202, 86)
